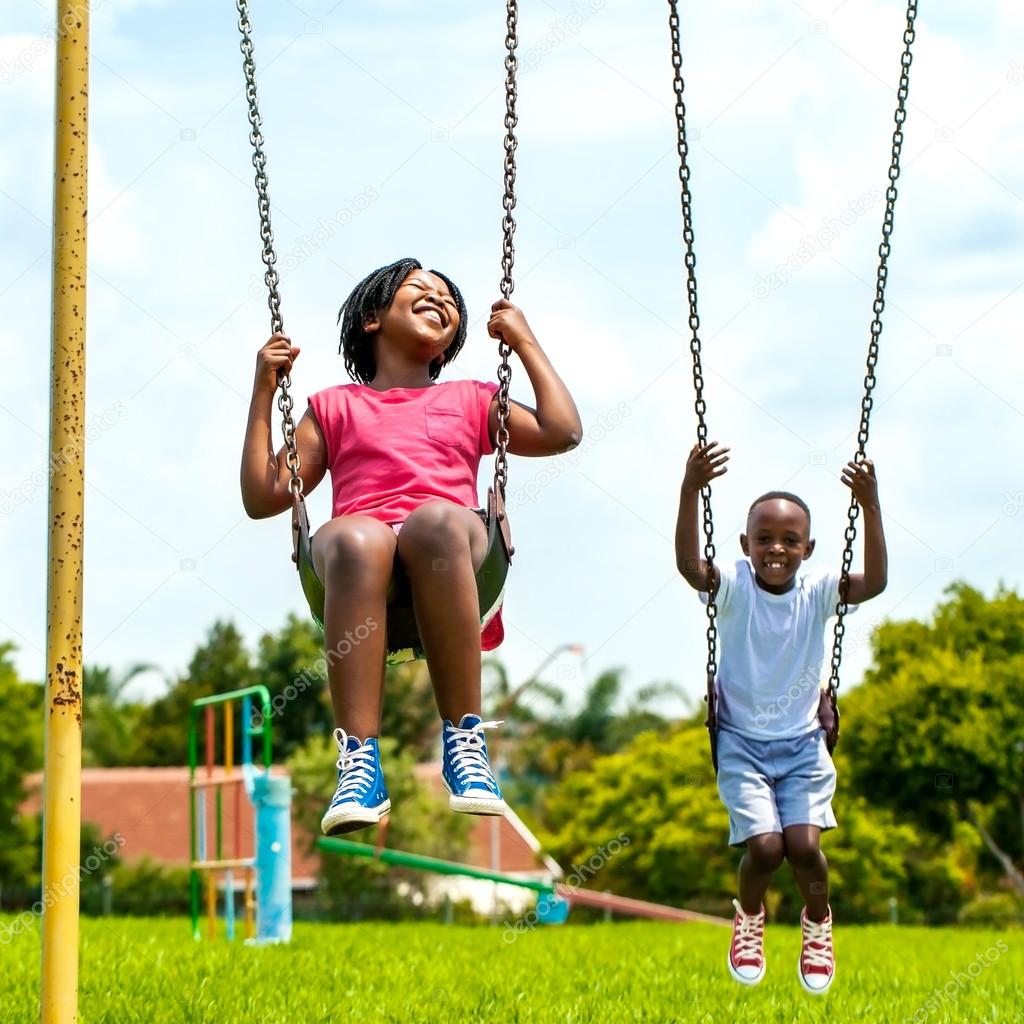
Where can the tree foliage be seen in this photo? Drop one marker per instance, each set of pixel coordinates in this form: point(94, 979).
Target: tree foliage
point(936, 731)
point(354, 888)
point(20, 753)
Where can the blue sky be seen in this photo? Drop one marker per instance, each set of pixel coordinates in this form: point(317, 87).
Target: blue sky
point(383, 125)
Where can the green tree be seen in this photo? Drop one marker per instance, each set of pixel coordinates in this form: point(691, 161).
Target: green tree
point(293, 665)
point(290, 663)
point(540, 745)
point(936, 731)
point(659, 795)
point(220, 664)
point(410, 714)
point(356, 888)
point(21, 752)
point(110, 723)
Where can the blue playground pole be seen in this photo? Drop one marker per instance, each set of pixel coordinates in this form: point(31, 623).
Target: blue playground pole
point(552, 908)
point(272, 797)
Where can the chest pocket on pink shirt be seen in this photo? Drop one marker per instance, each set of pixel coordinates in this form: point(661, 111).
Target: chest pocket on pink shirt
point(447, 426)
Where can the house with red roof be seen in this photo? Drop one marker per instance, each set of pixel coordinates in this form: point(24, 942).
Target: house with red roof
point(147, 811)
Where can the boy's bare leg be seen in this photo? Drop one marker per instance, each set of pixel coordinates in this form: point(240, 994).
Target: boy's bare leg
point(764, 855)
point(810, 869)
point(441, 545)
point(355, 556)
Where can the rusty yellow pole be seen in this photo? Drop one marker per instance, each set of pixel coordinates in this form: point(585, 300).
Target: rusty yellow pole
point(63, 765)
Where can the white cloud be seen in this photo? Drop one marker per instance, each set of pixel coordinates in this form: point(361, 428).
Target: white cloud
point(174, 330)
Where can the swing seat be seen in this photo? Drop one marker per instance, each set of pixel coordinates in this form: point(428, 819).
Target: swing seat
point(403, 636)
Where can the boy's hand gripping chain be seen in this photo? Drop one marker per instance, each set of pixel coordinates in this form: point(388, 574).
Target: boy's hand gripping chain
point(829, 709)
point(700, 406)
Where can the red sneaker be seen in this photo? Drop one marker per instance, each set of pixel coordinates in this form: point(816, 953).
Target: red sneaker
point(746, 954)
point(817, 965)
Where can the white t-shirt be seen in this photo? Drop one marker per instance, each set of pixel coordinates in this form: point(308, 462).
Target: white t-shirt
point(771, 651)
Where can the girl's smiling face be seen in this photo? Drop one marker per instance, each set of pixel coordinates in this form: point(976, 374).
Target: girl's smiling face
point(423, 317)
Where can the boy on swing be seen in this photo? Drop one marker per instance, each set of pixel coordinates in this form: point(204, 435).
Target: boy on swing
point(775, 774)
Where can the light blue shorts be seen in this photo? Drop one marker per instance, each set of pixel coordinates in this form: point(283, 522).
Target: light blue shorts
point(767, 785)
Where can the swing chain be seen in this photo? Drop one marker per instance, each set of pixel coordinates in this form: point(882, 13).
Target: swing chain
point(270, 277)
point(700, 406)
point(508, 226)
point(867, 402)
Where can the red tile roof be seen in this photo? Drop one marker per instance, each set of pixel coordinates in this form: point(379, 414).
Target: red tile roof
point(148, 808)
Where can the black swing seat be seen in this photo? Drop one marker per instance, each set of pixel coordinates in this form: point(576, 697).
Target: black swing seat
point(403, 637)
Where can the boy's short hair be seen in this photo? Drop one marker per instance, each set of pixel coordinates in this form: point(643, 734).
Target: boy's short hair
point(368, 299)
point(782, 496)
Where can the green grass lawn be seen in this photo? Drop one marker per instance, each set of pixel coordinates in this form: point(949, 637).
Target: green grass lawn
point(148, 971)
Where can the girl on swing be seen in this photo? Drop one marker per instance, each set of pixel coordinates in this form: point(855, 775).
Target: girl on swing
point(403, 451)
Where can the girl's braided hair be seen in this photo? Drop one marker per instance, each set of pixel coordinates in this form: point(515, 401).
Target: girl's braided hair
point(368, 299)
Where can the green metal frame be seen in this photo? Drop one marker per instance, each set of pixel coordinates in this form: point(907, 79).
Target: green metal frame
point(246, 732)
point(222, 698)
point(421, 863)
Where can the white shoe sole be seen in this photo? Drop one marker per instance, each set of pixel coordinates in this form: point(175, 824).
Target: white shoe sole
point(351, 818)
point(739, 977)
point(475, 804)
point(815, 991)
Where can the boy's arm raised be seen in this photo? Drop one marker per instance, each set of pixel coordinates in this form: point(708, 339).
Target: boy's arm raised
point(554, 426)
point(860, 478)
point(264, 474)
point(702, 466)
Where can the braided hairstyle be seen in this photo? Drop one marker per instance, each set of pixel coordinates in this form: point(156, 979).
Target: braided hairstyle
point(368, 299)
point(782, 496)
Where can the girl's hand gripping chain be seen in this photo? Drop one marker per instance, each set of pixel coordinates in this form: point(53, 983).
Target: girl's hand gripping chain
point(278, 354)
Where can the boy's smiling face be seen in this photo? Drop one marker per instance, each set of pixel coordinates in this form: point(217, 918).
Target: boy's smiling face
point(777, 541)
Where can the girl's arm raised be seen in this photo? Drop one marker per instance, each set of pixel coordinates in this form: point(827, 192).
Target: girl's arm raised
point(264, 474)
point(554, 426)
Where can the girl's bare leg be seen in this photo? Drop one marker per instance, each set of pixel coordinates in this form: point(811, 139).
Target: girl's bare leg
point(355, 556)
point(441, 545)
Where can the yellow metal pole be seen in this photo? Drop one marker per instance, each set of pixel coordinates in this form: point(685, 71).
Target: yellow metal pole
point(63, 764)
point(250, 904)
point(211, 905)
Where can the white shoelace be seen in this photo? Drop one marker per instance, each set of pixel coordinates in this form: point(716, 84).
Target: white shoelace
point(356, 767)
point(468, 760)
point(817, 950)
point(749, 934)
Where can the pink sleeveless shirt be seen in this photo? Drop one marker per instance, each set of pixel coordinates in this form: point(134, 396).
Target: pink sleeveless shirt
point(391, 451)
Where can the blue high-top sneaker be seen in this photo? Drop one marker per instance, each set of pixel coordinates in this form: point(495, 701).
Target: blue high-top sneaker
point(465, 770)
point(361, 798)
